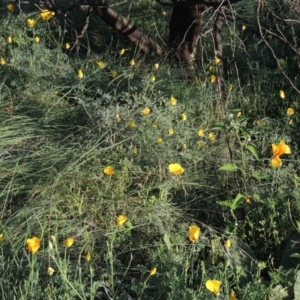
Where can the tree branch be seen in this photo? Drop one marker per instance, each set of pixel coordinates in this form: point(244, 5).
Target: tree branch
point(125, 27)
point(219, 54)
point(272, 50)
point(213, 4)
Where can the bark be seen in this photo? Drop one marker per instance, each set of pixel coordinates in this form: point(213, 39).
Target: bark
point(219, 53)
point(217, 33)
point(185, 26)
point(125, 27)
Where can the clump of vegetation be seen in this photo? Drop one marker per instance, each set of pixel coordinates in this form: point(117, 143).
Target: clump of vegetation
point(130, 177)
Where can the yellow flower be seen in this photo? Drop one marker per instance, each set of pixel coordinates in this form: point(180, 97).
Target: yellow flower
point(173, 101)
point(10, 8)
point(101, 64)
point(131, 124)
point(163, 12)
point(50, 271)
point(213, 286)
point(152, 271)
point(201, 132)
point(170, 131)
point(194, 233)
point(290, 111)
point(212, 136)
point(248, 199)
point(31, 23)
point(68, 242)
point(121, 220)
point(183, 116)
point(159, 140)
point(67, 46)
point(210, 68)
point(33, 244)
point(227, 243)
point(239, 114)
point(88, 256)
point(2, 61)
point(37, 39)
point(154, 125)
point(176, 169)
point(146, 111)
point(80, 74)
point(280, 149)
point(109, 170)
point(122, 51)
point(230, 87)
point(232, 296)
point(1, 236)
point(213, 78)
point(114, 74)
point(132, 62)
point(156, 66)
point(50, 245)
point(282, 94)
point(118, 118)
point(152, 78)
point(276, 162)
point(184, 146)
point(46, 14)
point(53, 238)
point(217, 60)
point(9, 39)
point(244, 27)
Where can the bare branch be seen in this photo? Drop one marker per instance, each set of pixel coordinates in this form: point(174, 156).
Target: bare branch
point(86, 23)
point(272, 50)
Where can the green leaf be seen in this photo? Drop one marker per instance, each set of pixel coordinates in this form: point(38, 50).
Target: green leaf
point(220, 125)
point(238, 199)
point(227, 203)
point(260, 175)
point(288, 260)
point(253, 149)
point(242, 259)
point(167, 241)
point(229, 168)
point(295, 255)
point(297, 286)
point(245, 131)
point(298, 225)
point(234, 203)
point(279, 292)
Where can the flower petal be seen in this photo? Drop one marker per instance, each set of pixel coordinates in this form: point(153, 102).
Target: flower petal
point(213, 286)
point(176, 169)
point(276, 162)
point(194, 233)
point(152, 271)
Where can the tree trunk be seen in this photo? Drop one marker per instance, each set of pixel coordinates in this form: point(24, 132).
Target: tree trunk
point(185, 26)
point(125, 27)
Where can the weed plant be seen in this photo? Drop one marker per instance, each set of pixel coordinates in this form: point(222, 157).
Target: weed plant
point(87, 139)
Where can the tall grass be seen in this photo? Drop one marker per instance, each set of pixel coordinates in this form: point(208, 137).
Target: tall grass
point(60, 132)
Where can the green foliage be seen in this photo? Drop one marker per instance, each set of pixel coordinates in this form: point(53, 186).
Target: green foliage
point(59, 133)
